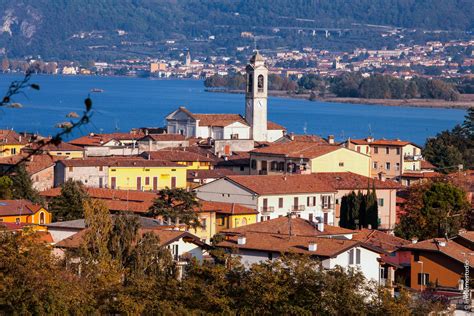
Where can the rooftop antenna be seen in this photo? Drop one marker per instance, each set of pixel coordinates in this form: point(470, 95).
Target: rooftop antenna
point(305, 128)
point(370, 130)
point(255, 44)
point(116, 126)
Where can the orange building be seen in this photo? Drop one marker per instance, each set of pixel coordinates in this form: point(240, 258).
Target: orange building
point(23, 212)
point(441, 263)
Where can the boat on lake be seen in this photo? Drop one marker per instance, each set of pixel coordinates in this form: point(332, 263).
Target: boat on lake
point(97, 90)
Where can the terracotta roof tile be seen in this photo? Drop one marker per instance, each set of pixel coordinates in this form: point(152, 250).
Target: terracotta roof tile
point(209, 174)
point(426, 165)
point(283, 226)
point(62, 146)
point(176, 156)
point(430, 174)
point(349, 180)
point(221, 120)
point(380, 240)
point(100, 139)
point(10, 137)
point(18, 207)
point(381, 142)
point(225, 208)
point(451, 249)
point(296, 149)
point(274, 126)
point(326, 247)
point(33, 164)
point(282, 184)
point(302, 138)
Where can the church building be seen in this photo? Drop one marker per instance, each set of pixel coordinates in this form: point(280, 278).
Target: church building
point(254, 126)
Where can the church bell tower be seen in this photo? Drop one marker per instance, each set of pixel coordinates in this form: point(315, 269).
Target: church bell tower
point(256, 97)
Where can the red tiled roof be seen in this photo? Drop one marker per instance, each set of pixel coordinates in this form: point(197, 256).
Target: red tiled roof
point(219, 119)
point(349, 180)
point(33, 164)
point(430, 175)
point(326, 247)
point(225, 208)
point(12, 226)
point(426, 165)
point(381, 142)
point(283, 226)
point(282, 184)
point(18, 207)
point(302, 138)
point(209, 174)
point(380, 240)
point(451, 249)
point(274, 126)
point(176, 156)
point(163, 137)
point(62, 146)
point(10, 137)
point(100, 139)
point(297, 149)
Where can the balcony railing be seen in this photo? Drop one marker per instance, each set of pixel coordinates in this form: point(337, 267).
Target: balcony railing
point(327, 206)
point(297, 208)
point(267, 209)
point(412, 157)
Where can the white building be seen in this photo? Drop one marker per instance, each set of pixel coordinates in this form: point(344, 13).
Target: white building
point(254, 126)
point(333, 246)
point(275, 196)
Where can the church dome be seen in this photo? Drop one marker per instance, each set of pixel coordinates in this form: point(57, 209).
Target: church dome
point(257, 57)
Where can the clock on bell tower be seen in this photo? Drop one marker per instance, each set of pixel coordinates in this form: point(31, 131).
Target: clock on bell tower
point(256, 97)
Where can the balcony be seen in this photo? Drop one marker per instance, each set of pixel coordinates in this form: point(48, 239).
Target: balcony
point(267, 209)
point(327, 206)
point(297, 208)
point(412, 157)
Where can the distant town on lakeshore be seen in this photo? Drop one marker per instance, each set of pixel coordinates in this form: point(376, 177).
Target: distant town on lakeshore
point(228, 213)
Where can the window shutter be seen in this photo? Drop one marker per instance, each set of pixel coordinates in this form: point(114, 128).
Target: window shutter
point(357, 256)
point(351, 256)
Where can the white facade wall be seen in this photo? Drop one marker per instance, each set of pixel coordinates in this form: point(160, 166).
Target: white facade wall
point(274, 134)
point(369, 264)
point(237, 128)
point(187, 247)
point(89, 176)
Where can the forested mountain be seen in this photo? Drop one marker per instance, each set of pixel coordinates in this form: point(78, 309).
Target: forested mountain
point(62, 28)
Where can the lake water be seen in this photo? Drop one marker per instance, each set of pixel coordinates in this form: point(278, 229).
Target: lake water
point(137, 102)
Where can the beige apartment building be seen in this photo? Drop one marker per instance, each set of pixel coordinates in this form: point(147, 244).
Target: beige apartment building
point(390, 158)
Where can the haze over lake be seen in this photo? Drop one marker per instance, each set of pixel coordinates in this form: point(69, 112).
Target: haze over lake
point(136, 102)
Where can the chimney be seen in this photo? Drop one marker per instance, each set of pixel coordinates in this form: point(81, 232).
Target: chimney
point(370, 139)
point(241, 240)
point(312, 246)
point(442, 243)
point(331, 139)
point(292, 136)
point(414, 240)
point(19, 138)
point(369, 226)
point(321, 226)
point(382, 176)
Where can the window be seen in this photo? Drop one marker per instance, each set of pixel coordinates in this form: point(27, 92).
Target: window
point(244, 221)
point(375, 165)
point(253, 164)
point(113, 183)
point(13, 151)
point(101, 182)
point(203, 223)
point(398, 150)
point(270, 256)
point(71, 169)
point(351, 256)
point(310, 217)
point(147, 180)
point(416, 257)
point(101, 168)
point(234, 136)
point(357, 256)
point(326, 201)
point(358, 149)
point(387, 165)
point(280, 202)
point(260, 83)
point(423, 278)
point(397, 166)
point(203, 164)
point(1, 220)
point(17, 220)
point(42, 218)
point(387, 150)
point(380, 202)
point(376, 150)
point(242, 168)
point(341, 164)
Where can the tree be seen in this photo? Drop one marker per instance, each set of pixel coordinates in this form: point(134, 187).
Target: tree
point(359, 210)
point(176, 205)
point(32, 281)
point(5, 188)
point(22, 185)
point(433, 209)
point(69, 205)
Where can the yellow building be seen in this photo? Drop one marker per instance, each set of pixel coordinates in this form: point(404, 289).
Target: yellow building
point(11, 143)
point(217, 216)
point(181, 156)
point(146, 175)
point(23, 212)
point(304, 157)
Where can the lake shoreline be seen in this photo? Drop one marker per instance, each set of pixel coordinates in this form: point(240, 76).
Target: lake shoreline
point(466, 102)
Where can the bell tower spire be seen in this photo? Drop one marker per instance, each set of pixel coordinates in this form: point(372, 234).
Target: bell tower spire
point(256, 97)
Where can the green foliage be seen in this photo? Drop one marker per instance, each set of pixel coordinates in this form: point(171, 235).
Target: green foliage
point(177, 205)
point(6, 184)
point(450, 148)
point(22, 186)
point(237, 82)
point(434, 209)
point(32, 281)
point(69, 205)
point(359, 210)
